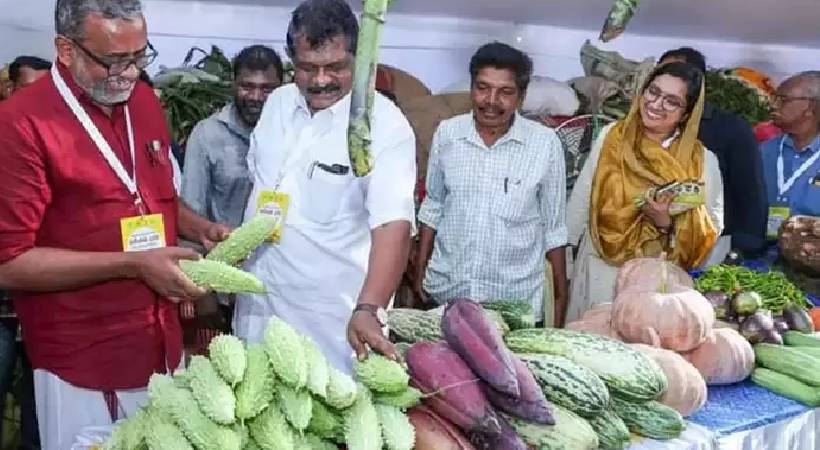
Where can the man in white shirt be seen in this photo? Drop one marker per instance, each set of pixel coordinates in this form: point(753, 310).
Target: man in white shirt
point(495, 203)
point(343, 245)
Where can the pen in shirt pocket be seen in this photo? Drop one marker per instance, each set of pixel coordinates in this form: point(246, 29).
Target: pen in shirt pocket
point(508, 183)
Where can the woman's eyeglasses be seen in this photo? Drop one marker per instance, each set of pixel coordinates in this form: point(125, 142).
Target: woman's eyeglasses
point(669, 103)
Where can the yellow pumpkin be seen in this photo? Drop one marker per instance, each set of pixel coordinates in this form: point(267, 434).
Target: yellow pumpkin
point(686, 391)
point(724, 358)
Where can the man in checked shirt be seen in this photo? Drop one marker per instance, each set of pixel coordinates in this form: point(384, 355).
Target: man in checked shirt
point(495, 201)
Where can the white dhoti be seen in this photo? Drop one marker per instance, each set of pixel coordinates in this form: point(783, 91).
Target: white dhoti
point(64, 410)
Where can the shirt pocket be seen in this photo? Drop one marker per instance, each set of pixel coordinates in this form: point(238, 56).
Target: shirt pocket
point(325, 195)
point(516, 202)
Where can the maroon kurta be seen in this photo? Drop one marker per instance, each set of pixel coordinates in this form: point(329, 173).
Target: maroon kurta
point(57, 190)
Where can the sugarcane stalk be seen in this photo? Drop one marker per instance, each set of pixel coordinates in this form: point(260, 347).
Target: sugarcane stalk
point(364, 86)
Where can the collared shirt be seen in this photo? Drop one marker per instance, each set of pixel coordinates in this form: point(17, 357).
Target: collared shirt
point(59, 192)
point(496, 211)
point(314, 274)
point(216, 183)
point(804, 196)
point(732, 140)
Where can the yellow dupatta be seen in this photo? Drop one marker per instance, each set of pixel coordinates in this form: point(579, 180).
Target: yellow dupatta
point(628, 165)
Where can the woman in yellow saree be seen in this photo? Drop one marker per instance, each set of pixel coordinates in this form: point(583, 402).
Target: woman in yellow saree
point(621, 207)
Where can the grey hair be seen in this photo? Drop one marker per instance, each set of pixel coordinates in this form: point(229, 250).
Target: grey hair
point(813, 76)
point(70, 15)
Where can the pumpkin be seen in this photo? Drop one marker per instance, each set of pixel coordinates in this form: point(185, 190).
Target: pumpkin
point(669, 316)
point(596, 321)
point(686, 391)
point(644, 273)
point(815, 318)
point(724, 358)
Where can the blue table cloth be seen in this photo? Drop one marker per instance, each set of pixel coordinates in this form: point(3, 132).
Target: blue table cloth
point(743, 406)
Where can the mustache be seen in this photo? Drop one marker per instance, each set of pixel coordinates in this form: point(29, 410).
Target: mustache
point(247, 104)
point(491, 109)
point(326, 89)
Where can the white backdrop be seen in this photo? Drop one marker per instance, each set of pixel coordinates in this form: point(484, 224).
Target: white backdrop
point(435, 49)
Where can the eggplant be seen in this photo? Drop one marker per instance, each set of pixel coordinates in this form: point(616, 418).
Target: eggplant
point(772, 337)
point(780, 324)
point(798, 318)
point(720, 303)
point(746, 302)
point(755, 327)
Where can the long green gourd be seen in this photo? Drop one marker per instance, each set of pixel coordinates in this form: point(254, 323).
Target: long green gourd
point(364, 86)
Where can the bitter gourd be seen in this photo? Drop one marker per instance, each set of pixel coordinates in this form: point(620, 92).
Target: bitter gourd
point(270, 430)
point(297, 406)
point(382, 375)
point(318, 375)
point(397, 431)
point(362, 423)
point(255, 392)
point(214, 397)
point(220, 277)
point(287, 353)
point(227, 354)
point(243, 240)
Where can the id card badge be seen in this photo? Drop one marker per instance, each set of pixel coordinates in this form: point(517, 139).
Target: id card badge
point(777, 215)
point(274, 203)
point(142, 233)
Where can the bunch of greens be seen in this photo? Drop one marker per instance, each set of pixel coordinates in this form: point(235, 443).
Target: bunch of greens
point(775, 289)
point(731, 95)
point(194, 91)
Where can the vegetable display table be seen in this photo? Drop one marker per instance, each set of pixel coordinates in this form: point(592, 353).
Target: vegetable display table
point(745, 416)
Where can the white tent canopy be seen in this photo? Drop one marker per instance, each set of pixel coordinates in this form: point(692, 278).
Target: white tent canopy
point(434, 39)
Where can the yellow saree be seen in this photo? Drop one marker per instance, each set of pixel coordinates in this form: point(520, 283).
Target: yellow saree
point(628, 166)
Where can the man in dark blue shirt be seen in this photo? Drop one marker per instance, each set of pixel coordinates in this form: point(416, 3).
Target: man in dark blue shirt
point(732, 140)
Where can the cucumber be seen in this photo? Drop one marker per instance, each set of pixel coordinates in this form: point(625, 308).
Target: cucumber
point(786, 386)
point(626, 372)
point(567, 384)
point(650, 419)
point(789, 361)
point(611, 429)
point(798, 339)
point(570, 432)
point(517, 314)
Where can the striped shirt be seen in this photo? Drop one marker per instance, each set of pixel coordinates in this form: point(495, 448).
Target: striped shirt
point(496, 211)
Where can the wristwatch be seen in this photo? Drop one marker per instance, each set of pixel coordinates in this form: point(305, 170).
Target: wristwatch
point(377, 311)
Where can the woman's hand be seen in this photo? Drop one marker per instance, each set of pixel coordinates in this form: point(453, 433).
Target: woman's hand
point(657, 211)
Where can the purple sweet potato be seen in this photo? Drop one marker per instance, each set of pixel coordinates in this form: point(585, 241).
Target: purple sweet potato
point(476, 339)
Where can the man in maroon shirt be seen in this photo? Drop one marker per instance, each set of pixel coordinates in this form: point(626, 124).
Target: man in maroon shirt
point(89, 220)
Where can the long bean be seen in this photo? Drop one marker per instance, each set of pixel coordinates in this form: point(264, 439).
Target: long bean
point(773, 286)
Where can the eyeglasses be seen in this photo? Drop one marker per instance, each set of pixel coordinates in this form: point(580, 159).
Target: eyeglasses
point(669, 103)
point(115, 68)
point(783, 99)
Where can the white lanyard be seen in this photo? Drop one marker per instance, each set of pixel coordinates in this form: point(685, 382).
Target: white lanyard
point(130, 181)
point(784, 187)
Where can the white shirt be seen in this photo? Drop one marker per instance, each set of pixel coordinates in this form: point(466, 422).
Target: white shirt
point(497, 211)
point(314, 274)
